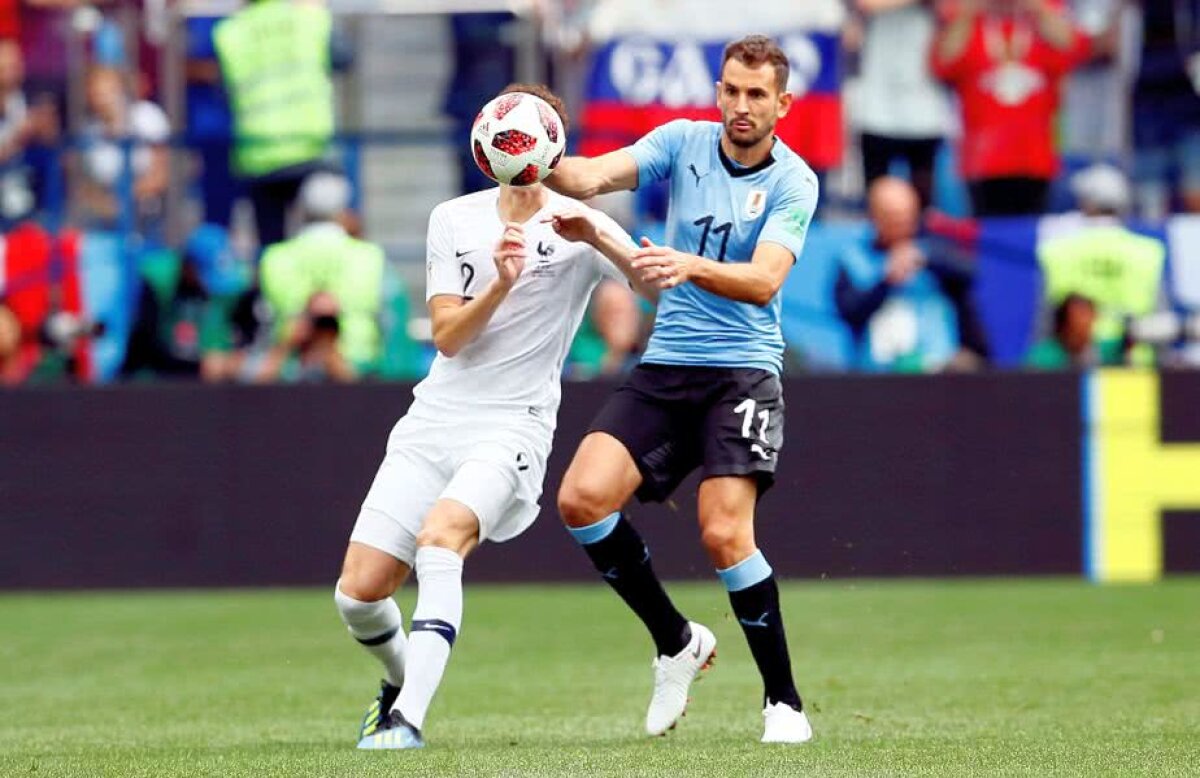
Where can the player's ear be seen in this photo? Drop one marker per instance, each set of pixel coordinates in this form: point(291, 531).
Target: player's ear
point(718, 86)
point(785, 104)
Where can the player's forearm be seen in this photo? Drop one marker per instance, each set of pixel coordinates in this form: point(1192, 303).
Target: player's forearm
point(454, 329)
point(620, 254)
point(745, 283)
point(576, 177)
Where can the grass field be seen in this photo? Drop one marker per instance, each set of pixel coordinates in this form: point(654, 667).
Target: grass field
point(1048, 677)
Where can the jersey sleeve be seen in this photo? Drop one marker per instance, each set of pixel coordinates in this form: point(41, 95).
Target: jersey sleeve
point(655, 152)
point(442, 275)
point(788, 219)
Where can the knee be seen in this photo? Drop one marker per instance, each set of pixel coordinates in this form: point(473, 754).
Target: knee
point(439, 537)
point(726, 541)
point(458, 533)
point(719, 535)
point(581, 503)
point(365, 585)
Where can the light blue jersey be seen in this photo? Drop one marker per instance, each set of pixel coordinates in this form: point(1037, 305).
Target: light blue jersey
point(721, 210)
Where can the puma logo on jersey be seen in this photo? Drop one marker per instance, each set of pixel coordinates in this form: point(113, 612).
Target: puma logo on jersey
point(696, 173)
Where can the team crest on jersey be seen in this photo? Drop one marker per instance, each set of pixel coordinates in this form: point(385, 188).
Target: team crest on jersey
point(756, 203)
point(545, 267)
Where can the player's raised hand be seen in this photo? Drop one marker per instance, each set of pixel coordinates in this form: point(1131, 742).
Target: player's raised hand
point(574, 226)
point(661, 266)
point(510, 254)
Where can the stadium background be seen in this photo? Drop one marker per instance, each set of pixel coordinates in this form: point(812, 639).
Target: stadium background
point(117, 482)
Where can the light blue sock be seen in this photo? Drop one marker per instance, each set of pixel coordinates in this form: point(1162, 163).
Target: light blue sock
point(746, 573)
point(594, 533)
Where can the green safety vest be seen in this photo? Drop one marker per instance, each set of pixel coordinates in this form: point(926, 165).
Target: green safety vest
point(1117, 269)
point(274, 56)
point(323, 258)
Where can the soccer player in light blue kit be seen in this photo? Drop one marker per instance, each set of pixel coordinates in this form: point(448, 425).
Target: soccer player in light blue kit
point(707, 393)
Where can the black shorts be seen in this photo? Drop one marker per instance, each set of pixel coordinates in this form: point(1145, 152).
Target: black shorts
point(675, 418)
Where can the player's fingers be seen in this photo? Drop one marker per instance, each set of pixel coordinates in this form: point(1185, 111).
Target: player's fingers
point(653, 251)
point(646, 242)
point(648, 260)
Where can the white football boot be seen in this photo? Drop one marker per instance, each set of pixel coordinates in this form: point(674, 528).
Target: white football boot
point(673, 676)
point(784, 724)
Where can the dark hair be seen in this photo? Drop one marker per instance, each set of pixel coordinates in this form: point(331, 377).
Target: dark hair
point(542, 91)
point(1062, 310)
point(756, 50)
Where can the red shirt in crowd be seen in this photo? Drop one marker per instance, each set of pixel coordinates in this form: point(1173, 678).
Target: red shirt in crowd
point(1008, 80)
point(10, 19)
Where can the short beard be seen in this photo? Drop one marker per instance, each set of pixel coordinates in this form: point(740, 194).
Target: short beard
point(744, 142)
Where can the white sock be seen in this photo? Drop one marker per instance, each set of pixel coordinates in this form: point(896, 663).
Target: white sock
point(377, 626)
point(434, 628)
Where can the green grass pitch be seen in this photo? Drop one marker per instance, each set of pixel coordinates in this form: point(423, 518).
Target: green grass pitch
point(1041, 677)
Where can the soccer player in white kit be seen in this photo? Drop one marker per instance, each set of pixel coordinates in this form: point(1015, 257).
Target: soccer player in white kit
point(510, 272)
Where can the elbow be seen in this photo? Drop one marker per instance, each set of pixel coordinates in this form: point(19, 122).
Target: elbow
point(763, 299)
point(763, 294)
point(446, 346)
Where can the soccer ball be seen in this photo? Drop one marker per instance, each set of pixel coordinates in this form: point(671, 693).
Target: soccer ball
point(517, 139)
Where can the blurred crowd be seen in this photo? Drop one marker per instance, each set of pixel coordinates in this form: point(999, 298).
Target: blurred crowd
point(951, 114)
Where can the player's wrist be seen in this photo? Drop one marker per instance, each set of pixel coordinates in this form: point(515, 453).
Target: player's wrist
point(695, 268)
point(499, 288)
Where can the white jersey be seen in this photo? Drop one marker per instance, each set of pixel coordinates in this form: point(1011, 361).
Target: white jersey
point(515, 364)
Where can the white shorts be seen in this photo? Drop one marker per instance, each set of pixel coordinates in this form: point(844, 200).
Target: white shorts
point(495, 469)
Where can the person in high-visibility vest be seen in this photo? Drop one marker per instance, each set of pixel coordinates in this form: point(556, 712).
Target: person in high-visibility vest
point(275, 58)
point(1119, 270)
point(324, 260)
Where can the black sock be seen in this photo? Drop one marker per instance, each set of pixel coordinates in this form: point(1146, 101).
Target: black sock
point(757, 610)
point(623, 559)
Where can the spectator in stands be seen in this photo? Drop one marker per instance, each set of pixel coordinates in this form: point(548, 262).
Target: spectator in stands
point(210, 122)
point(1117, 269)
point(124, 159)
point(902, 108)
point(1166, 109)
point(325, 260)
point(17, 128)
point(609, 335)
point(10, 347)
point(184, 325)
point(1006, 59)
point(308, 350)
point(904, 306)
point(1095, 122)
point(484, 63)
point(277, 58)
point(1071, 344)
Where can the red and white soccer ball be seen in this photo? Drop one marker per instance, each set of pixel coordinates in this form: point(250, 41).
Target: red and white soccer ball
point(517, 139)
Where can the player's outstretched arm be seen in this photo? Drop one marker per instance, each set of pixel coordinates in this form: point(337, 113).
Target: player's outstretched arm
point(577, 226)
point(756, 282)
point(586, 177)
point(457, 320)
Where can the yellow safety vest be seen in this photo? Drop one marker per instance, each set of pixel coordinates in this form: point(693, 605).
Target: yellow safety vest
point(1117, 269)
point(274, 56)
point(323, 258)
